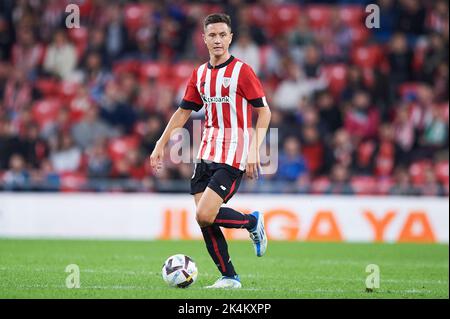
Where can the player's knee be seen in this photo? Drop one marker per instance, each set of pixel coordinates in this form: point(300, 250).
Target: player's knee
point(203, 218)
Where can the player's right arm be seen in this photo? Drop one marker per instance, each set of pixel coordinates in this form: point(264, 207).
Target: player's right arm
point(192, 101)
point(178, 119)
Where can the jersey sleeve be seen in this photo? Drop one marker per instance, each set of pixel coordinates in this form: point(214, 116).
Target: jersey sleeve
point(250, 87)
point(192, 99)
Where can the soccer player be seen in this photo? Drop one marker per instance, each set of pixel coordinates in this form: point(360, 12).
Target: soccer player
point(229, 90)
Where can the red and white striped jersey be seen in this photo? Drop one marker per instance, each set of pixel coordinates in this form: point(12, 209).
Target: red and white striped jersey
point(227, 91)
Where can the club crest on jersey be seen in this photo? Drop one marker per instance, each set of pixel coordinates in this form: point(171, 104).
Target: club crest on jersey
point(226, 82)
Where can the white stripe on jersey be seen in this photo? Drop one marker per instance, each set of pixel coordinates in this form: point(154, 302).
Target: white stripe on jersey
point(243, 159)
point(209, 112)
point(221, 133)
point(233, 113)
point(199, 89)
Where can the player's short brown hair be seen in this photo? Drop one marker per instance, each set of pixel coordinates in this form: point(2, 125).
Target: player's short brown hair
point(217, 18)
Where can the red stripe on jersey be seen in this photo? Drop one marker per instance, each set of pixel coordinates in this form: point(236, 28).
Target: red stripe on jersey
point(215, 121)
point(205, 130)
point(226, 114)
point(240, 122)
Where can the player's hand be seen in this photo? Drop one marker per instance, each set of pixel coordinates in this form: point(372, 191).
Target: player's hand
point(253, 165)
point(156, 157)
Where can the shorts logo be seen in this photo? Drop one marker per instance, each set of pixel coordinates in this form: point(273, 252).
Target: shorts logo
point(223, 187)
point(226, 82)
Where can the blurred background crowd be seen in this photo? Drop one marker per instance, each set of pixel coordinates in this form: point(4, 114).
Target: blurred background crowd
point(358, 110)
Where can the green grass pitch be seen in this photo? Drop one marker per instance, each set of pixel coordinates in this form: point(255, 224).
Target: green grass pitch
point(131, 269)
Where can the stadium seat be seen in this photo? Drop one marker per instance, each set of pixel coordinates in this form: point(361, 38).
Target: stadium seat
point(352, 15)
point(320, 184)
point(118, 147)
point(383, 185)
point(336, 75)
point(417, 172)
point(46, 110)
point(367, 56)
point(441, 170)
point(319, 15)
point(134, 14)
point(157, 70)
point(72, 181)
point(282, 18)
point(79, 36)
point(364, 185)
point(180, 73)
point(47, 87)
point(360, 35)
point(126, 66)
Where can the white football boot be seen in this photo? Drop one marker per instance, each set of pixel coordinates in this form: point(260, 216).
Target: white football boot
point(258, 235)
point(226, 283)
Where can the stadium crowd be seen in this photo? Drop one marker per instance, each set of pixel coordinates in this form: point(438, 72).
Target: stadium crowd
point(358, 110)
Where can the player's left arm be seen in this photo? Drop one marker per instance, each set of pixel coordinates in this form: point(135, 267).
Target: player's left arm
point(262, 124)
point(250, 87)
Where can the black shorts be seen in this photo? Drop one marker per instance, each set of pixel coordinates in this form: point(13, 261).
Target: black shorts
point(221, 178)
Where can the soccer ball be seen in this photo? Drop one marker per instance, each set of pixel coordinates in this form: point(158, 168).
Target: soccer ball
point(179, 271)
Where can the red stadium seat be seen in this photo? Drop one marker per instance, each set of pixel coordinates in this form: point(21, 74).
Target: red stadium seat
point(79, 36)
point(360, 35)
point(282, 18)
point(417, 172)
point(156, 70)
point(134, 14)
point(118, 147)
point(352, 15)
point(319, 15)
point(72, 181)
point(384, 185)
point(180, 73)
point(320, 184)
point(68, 89)
point(337, 77)
point(441, 170)
point(45, 111)
point(126, 66)
point(47, 87)
point(367, 56)
point(364, 185)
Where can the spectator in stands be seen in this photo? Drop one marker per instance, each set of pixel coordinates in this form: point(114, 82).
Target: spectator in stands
point(115, 110)
point(340, 181)
point(431, 187)
point(291, 91)
point(291, 164)
point(342, 148)
point(66, 157)
point(93, 74)
point(313, 149)
point(116, 36)
point(361, 119)
point(411, 17)
point(435, 135)
point(98, 163)
point(18, 92)
point(61, 57)
point(27, 54)
point(302, 35)
point(435, 54)
point(400, 61)
point(17, 176)
point(91, 129)
point(153, 130)
point(405, 135)
point(246, 50)
point(402, 184)
point(329, 113)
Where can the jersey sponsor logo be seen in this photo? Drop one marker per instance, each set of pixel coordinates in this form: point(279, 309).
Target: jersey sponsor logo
point(226, 82)
point(215, 99)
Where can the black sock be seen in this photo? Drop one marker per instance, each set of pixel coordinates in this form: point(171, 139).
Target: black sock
point(229, 218)
point(218, 249)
